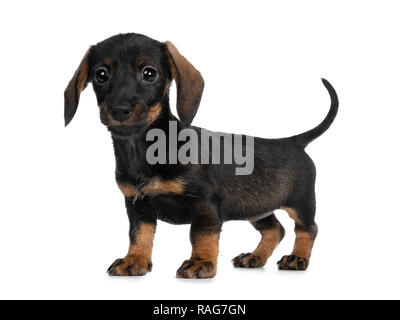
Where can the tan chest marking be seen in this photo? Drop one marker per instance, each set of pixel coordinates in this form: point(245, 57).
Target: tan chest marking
point(158, 186)
point(128, 190)
point(153, 188)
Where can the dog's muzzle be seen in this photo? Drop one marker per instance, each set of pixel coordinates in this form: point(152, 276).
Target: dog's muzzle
point(121, 112)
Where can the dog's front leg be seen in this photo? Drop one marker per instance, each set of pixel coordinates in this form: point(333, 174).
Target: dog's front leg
point(141, 234)
point(204, 236)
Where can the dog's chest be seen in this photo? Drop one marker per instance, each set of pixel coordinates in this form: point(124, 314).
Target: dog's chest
point(152, 188)
point(168, 198)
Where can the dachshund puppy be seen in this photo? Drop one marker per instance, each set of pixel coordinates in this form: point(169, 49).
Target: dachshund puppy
point(131, 75)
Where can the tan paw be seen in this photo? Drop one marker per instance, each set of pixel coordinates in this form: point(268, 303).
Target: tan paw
point(293, 262)
point(248, 260)
point(130, 266)
point(197, 269)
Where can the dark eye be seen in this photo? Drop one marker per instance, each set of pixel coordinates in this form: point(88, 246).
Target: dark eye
point(149, 74)
point(101, 75)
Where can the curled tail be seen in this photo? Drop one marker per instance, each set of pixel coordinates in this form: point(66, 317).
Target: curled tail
point(305, 138)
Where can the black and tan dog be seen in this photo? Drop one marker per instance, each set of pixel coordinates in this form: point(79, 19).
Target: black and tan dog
point(131, 75)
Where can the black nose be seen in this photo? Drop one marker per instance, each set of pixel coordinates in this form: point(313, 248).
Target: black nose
point(121, 112)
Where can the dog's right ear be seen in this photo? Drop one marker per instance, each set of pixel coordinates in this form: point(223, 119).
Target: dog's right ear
point(75, 87)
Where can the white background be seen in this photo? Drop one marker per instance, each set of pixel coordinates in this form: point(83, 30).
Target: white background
point(62, 217)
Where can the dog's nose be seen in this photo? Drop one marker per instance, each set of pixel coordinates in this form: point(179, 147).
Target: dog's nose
point(121, 112)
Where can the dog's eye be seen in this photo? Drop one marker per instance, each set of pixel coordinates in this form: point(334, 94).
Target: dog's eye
point(149, 74)
point(101, 75)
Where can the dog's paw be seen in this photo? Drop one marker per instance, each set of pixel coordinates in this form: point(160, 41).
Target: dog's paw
point(293, 263)
point(248, 260)
point(130, 266)
point(197, 269)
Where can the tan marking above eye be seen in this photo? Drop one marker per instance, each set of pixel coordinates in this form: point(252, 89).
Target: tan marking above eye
point(140, 62)
point(109, 63)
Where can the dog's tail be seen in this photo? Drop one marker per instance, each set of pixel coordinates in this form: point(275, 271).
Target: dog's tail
point(305, 138)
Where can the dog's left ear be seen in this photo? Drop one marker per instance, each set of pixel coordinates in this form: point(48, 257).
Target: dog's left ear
point(189, 83)
point(75, 87)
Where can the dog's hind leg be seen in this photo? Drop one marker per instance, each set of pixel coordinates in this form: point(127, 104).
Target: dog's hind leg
point(272, 233)
point(306, 231)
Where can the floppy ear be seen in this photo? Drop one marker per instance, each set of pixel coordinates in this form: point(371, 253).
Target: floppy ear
point(75, 87)
point(189, 84)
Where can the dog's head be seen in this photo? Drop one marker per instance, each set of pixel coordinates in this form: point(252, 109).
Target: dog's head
point(131, 75)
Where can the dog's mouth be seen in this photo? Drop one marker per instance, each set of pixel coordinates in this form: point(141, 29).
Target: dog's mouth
point(124, 131)
point(120, 129)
